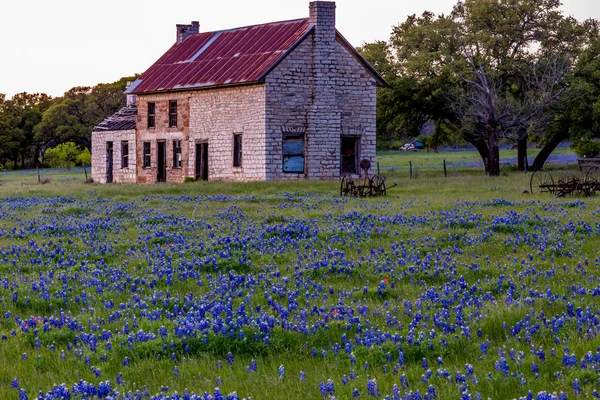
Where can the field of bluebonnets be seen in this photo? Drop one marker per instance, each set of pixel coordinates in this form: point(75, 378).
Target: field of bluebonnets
point(449, 288)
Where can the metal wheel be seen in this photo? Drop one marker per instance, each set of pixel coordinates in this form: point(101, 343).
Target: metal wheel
point(379, 186)
point(593, 175)
point(541, 182)
point(346, 186)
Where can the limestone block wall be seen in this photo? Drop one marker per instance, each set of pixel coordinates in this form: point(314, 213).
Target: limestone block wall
point(150, 174)
point(348, 108)
point(356, 98)
point(99, 156)
point(162, 132)
point(289, 92)
point(215, 116)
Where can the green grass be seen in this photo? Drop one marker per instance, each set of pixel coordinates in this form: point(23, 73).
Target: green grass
point(354, 241)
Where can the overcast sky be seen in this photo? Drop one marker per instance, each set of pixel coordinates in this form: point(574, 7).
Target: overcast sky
point(50, 46)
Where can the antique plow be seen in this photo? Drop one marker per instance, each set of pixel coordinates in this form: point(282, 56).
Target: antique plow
point(364, 185)
point(561, 184)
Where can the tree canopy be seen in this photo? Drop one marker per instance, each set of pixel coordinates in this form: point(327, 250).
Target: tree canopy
point(30, 123)
point(428, 60)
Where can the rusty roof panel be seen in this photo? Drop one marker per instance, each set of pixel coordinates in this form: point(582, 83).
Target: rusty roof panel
point(122, 120)
point(241, 55)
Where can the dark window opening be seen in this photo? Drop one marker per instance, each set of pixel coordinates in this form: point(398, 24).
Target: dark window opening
point(293, 154)
point(151, 115)
point(176, 153)
point(237, 150)
point(124, 154)
point(350, 155)
point(161, 164)
point(202, 161)
point(109, 162)
point(147, 155)
point(172, 113)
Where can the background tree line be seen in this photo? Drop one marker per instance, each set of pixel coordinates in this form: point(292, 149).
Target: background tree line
point(33, 123)
point(491, 71)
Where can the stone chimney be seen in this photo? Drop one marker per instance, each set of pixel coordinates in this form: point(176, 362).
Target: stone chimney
point(324, 120)
point(322, 16)
point(184, 30)
point(130, 97)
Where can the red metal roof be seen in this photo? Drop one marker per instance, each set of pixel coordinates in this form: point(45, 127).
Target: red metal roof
point(241, 55)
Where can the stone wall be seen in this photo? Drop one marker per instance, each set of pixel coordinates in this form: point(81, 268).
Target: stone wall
point(289, 92)
point(215, 116)
point(356, 97)
point(163, 133)
point(99, 156)
point(346, 108)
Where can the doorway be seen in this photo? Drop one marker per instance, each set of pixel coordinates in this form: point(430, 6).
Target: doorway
point(161, 173)
point(109, 162)
point(201, 170)
point(350, 154)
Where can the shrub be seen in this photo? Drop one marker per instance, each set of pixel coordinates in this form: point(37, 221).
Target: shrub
point(188, 179)
point(84, 158)
point(586, 147)
point(65, 155)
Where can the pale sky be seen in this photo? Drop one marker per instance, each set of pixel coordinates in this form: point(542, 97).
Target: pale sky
point(50, 46)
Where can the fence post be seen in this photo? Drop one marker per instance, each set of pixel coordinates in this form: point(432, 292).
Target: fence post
point(85, 171)
point(378, 168)
point(410, 169)
point(445, 172)
point(38, 173)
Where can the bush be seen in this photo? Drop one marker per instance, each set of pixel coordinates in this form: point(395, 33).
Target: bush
point(586, 147)
point(84, 158)
point(188, 179)
point(10, 165)
point(65, 155)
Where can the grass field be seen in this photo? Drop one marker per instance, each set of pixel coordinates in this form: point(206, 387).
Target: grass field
point(449, 288)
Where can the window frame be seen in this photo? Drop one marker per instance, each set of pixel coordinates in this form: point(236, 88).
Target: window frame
point(146, 156)
point(238, 150)
point(124, 154)
point(294, 136)
point(151, 115)
point(172, 113)
point(177, 152)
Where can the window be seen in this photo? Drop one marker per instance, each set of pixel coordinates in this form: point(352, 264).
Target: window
point(146, 154)
point(172, 113)
point(124, 154)
point(151, 115)
point(176, 153)
point(293, 154)
point(237, 150)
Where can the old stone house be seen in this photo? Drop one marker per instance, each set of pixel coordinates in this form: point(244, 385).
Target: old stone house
point(283, 100)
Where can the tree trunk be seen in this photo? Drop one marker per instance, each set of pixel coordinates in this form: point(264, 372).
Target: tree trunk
point(522, 153)
point(493, 166)
point(548, 148)
point(482, 149)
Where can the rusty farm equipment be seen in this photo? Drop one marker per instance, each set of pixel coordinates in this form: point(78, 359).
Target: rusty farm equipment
point(365, 185)
point(561, 184)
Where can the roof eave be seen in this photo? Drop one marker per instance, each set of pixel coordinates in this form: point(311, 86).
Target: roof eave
point(193, 88)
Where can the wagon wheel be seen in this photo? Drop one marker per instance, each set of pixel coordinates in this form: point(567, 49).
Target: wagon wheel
point(592, 175)
point(347, 187)
point(541, 181)
point(378, 184)
point(592, 178)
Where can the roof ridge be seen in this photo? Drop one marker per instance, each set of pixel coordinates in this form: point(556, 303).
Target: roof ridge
point(250, 26)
